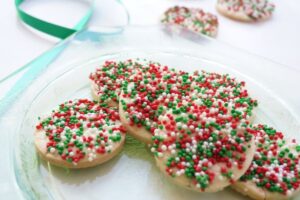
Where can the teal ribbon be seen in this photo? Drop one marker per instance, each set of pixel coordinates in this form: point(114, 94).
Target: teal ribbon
point(51, 28)
point(38, 65)
point(48, 28)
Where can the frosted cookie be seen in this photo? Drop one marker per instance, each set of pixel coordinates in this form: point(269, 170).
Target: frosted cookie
point(225, 96)
point(274, 172)
point(201, 142)
point(217, 98)
point(79, 134)
point(107, 80)
point(246, 10)
point(199, 154)
point(143, 98)
point(157, 90)
point(194, 19)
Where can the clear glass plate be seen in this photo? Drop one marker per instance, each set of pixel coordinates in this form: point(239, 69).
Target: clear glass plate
point(133, 174)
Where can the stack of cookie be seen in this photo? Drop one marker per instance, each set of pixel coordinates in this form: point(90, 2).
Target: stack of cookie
point(197, 125)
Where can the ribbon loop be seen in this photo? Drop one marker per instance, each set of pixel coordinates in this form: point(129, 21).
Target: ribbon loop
point(51, 28)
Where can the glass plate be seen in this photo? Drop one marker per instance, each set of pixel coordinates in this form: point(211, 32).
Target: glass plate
point(133, 174)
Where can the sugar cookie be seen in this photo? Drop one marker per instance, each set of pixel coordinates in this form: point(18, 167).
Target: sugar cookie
point(156, 90)
point(79, 134)
point(200, 155)
point(274, 171)
point(194, 19)
point(142, 97)
point(246, 10)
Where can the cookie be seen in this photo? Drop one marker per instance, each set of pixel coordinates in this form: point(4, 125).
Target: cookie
point(274, 171)
point(246, 10)
point(200, 155)
point(143, 96)
point(79, 134)
point(201, 142)
point(193, 19)
point(157, 90)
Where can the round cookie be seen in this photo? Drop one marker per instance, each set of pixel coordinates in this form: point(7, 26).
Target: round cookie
point(213, 113)
point(246, 10)
point(218, 98)
point(107, 80)
point(143, 95)
point(194, 19)
point(155, 90)
point(274, 171)
point(198, 154)
point(79, 134)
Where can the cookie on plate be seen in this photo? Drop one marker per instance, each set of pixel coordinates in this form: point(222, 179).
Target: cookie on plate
point(144, 95)
point(274, 173)
point(246, 10)
point(157, 90)
point(193, 19)
point(201, 142)
point(199, 154)
point(79, 134)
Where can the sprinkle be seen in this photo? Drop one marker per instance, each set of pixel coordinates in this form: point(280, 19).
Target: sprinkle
point(279, 171)
point(81, 128)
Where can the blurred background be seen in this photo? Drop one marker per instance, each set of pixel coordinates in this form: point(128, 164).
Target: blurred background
point(277, 38)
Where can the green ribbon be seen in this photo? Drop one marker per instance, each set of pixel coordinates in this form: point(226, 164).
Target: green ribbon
point(36, 66)
point(50, 28)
